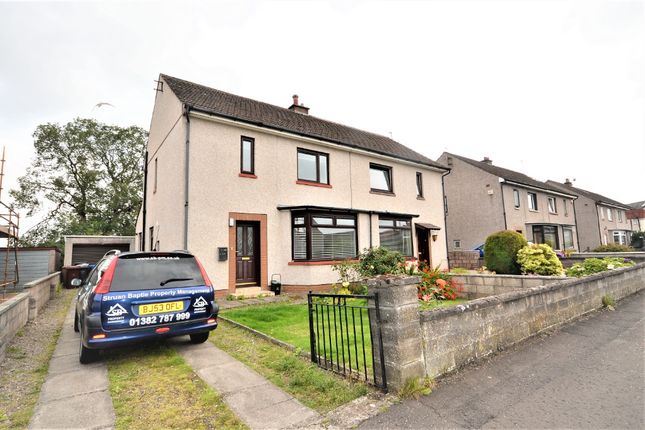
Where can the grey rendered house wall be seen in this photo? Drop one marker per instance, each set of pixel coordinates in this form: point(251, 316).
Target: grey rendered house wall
point(587, 218)
point(32, 265)
point(522, 219)
point(473, 213)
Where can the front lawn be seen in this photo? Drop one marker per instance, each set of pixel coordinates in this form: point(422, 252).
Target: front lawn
point(290, 323)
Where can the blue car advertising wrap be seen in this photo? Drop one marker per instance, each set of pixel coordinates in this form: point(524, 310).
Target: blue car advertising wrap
point(131, 309)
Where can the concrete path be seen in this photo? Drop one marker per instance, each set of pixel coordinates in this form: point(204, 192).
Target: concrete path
point(259, 403)
point(589, 374)
point(73, 395)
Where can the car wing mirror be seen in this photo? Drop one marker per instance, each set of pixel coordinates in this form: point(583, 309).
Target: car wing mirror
point(76, 282)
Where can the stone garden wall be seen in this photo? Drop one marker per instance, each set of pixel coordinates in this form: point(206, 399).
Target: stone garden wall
point(439, 341)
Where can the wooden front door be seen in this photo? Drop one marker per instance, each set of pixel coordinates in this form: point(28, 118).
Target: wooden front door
point(247, 254)
point(424, 245)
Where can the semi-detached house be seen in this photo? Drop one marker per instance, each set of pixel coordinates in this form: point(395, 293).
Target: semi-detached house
point(256, 190)
point(483, 198)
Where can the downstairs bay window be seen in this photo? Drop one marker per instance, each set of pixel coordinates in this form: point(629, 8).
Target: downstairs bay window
point(323, 236)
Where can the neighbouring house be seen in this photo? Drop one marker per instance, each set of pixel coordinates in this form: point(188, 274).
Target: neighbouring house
point(256, 190)
point(33, 263)
point(636, 216)
point(600, 220)
point(483, 198)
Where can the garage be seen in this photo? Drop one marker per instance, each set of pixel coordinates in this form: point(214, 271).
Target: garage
point(93, 253)
point(90, 249)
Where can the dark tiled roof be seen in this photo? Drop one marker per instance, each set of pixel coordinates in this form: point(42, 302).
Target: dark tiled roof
point(593, 196)
point(637, 205)
point(227, 105)
point(509, 175)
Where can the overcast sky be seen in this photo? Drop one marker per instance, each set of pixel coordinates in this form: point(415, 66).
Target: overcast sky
point(553, 89)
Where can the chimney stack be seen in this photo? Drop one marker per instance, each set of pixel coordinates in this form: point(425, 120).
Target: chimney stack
point(487, 160)
point(298, 107)
point(568, 183)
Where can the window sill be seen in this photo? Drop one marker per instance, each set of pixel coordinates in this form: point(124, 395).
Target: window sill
point(313, 184)
point(382, 193)
point(247, 175)
point(533, 210)
point(317, 263)
point(420, 198)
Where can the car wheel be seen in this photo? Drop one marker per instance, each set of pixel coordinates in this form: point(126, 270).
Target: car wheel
point(199, 337)
point(86, 355)
point(76, 322)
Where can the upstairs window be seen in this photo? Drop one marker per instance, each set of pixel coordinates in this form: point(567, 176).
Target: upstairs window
point(419, 185)
point(609, 215)
point(319, 236)
point(381, 178)
point(566, 207)
point(313, 166)
point(552, 205)
point(516, 198)
point(395, 234)
point(532, 197)
point(619, 214)
point(247, 157)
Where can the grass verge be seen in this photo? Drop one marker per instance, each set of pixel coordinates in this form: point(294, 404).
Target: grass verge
point(436, 304)
point(26, 362)
point(153, 384)
point(312, 386)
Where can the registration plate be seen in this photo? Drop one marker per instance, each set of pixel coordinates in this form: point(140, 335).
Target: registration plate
point(159, 308)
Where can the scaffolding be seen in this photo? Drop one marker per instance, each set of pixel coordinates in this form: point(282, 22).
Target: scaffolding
point(9, 226)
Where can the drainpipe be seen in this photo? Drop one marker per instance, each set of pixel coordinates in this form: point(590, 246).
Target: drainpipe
point(145, 195)
point(445, 213)
point(599, 227)
point(186, 174)
point(501, 191)
point(575, 220)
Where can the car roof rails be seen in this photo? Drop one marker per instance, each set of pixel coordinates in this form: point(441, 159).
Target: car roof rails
point(112, 252)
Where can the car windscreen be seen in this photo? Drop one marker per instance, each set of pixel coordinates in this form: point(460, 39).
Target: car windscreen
point(156, 272)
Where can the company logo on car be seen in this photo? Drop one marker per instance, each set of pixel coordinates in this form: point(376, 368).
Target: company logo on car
point(200, 302)
point(116, 311)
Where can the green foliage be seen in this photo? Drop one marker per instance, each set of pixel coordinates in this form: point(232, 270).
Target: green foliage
point(597, 265)
point(638, 239)
point(613, 247)
point(500, 251)
point(413, 388)
point(380, 261)
point(88, 175)
point(608, 301)
point(437, 284)
point(539, 259)
point(459, 271)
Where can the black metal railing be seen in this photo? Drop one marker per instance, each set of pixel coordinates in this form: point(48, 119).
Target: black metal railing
point(345, 336)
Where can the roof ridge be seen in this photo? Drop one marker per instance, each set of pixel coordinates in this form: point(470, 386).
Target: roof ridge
point(287, 110)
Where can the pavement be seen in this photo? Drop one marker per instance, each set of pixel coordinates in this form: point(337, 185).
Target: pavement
point(74, 395)
point(253, 398)
point(589, 374)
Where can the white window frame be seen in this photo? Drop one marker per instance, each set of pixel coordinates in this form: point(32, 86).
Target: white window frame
point(533, 203)
point(552, 205)
point(609, 215)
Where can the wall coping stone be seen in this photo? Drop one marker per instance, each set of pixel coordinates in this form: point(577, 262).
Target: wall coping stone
point(12, 302)
point(35, 282)
point(485, 302)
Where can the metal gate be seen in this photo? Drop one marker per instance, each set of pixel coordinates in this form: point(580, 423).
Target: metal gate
point(345, 336)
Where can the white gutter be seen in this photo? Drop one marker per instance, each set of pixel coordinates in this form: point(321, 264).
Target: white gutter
point(320, 142)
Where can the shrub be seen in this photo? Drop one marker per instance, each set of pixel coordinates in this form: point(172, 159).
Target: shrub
point(380, 261)
point(540, 260)
point(638, 239)
point(613, 247)
point(597, 265)
point(437, 284)
point(500, 251)
point(608, 301)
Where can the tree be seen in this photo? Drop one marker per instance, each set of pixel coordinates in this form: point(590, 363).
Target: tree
point(87, 177)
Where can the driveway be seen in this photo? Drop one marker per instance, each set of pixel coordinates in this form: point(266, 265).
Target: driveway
point(589, 374)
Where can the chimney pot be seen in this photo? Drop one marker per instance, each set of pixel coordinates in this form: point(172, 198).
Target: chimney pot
point(487, 160)
point(295, 99)
point(298, 107)
point(568, 183)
